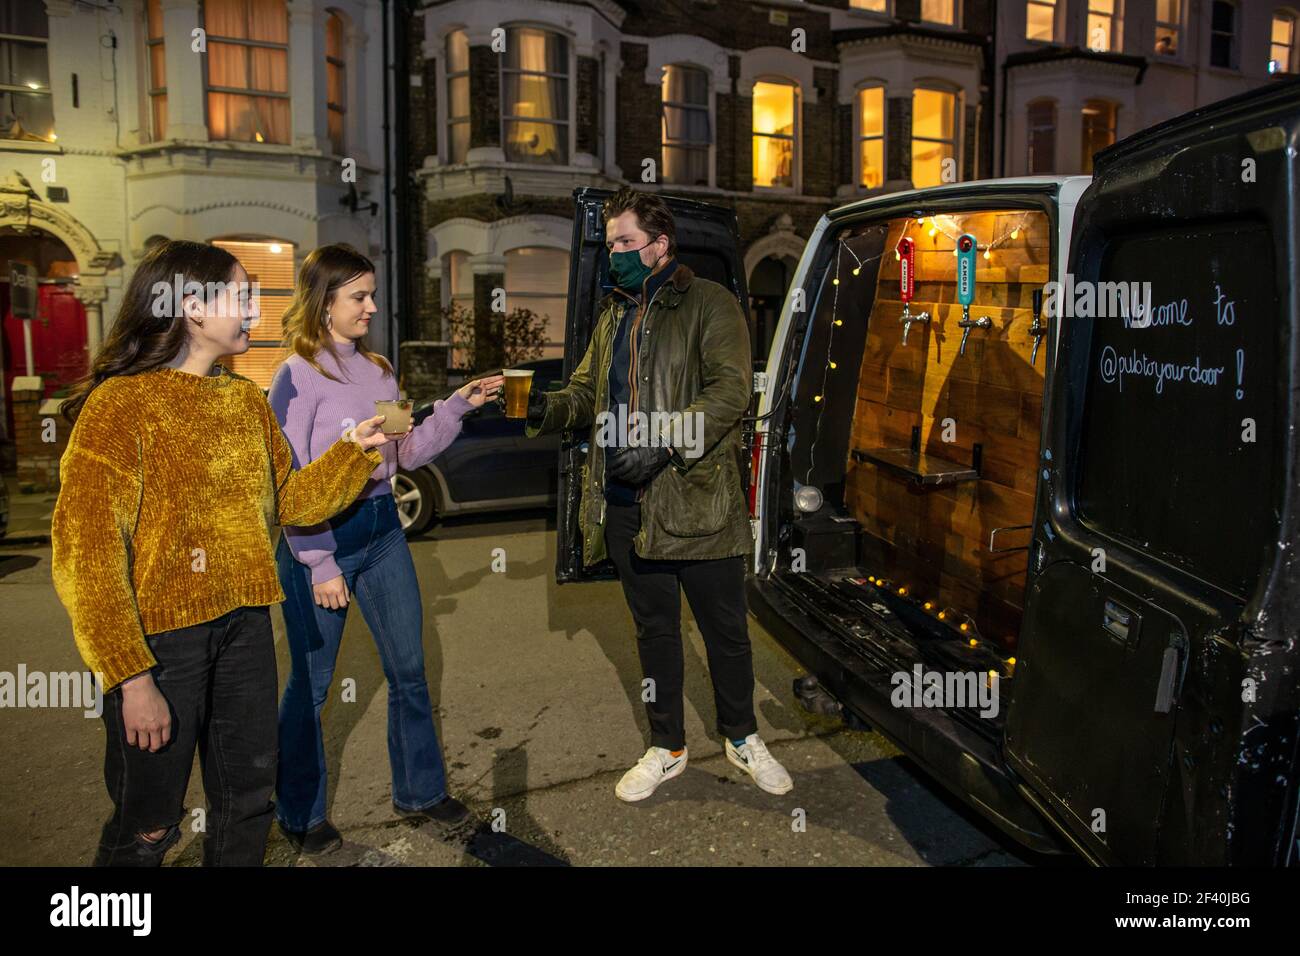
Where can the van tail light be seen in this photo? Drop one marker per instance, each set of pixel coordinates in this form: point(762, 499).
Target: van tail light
point(755, 458)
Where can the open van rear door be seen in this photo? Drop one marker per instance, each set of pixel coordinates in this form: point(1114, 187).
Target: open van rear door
point(708, 241)
point(1161, 588)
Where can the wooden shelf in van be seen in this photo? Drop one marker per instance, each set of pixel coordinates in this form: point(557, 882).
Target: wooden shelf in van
point(925, 470)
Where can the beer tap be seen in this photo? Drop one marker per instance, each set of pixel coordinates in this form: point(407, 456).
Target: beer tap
point(966, 246)
point(1037, 330)
point(907, 284)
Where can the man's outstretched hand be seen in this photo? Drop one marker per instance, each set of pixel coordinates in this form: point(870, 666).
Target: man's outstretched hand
point(536, 405)
point(638, 464)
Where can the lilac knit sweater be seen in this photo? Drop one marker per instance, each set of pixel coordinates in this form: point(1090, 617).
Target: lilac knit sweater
point(314, 411)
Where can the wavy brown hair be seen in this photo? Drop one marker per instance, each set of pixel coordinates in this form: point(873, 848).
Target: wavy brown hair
point(140, 338)
point(323, 273)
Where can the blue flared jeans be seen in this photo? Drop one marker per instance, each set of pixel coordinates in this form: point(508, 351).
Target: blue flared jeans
point(375, 561)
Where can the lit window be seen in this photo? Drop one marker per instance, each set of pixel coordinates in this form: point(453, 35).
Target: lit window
point(537, 279)
point(1040, 20)
point(875, 6)
point(458, 295)
point(934, 136)
point(26, 107)
point(686, 136)
point(457, 96)
point(1169, 27)
point(937, 11)
point(1223, 35)
point(1098, 129)
point(1042, 137)
point(269, 264)
point(248, 70)
point(335, 80)
point(775, 133)
point(1281, 51)
point(871, 137)
point(1101, 25)
point(157, 70)
point(535, 96)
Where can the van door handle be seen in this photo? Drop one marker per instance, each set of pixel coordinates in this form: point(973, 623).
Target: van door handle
point(1119, 622)
point(1165, 688)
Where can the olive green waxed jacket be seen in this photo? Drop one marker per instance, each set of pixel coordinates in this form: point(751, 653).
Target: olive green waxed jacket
point(694, 358)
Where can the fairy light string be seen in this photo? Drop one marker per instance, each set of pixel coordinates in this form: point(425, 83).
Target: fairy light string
point(963, 623)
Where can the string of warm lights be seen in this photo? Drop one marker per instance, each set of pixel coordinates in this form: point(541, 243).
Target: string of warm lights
point(937, 227)
point(953, 618)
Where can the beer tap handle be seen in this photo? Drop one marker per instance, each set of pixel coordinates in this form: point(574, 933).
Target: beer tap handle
point(967, 323)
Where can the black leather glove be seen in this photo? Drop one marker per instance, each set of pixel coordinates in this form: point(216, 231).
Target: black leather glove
point(536, 407)
point(638, 464)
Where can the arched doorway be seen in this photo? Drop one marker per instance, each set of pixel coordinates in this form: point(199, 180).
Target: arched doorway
point(70, 270)
point(768, 282)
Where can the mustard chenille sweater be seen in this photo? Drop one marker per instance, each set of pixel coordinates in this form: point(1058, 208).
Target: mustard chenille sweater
point(169, 486)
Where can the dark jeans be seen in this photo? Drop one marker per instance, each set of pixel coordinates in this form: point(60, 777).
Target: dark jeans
point(220, 683)
point(372, 553)
point(716, 591)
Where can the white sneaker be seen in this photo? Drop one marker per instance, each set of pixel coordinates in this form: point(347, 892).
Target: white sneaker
point(651, 770)
point(752, 757)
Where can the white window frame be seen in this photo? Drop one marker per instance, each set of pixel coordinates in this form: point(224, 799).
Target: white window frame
point(1234, 53)
point(958, 109)
point(1282, 13)
point(448, 121)
point(796, 160)
point(956, 15)
point(570, 85)
point(1056, 10)
point(859, 136)
point(1179, 31)
point(707, 106)
point(1114, 40)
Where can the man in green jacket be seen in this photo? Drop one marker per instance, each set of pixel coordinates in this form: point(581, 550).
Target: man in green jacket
point(665, 381)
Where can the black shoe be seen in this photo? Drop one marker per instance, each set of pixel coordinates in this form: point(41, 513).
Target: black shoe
point(322, 838)
point(448, 813)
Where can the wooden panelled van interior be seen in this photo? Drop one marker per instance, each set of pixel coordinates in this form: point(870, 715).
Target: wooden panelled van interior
point(978, 411)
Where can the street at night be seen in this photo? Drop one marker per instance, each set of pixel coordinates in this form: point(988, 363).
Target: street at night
point(543, 740)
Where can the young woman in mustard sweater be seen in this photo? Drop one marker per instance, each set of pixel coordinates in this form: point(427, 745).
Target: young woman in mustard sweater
point(174, 473)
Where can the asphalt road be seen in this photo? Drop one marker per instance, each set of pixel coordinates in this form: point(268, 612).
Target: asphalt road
point(538, 692)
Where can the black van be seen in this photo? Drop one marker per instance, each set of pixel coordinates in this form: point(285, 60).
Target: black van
point(1103, 531)
point(1023, 484)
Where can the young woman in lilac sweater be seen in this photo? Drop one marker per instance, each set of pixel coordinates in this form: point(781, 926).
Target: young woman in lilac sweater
point(329, 382)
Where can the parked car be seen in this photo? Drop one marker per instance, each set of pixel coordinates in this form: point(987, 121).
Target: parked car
point(491, 467)
point(1085, 517)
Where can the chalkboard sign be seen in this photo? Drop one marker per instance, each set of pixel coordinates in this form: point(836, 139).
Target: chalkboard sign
point(1179, 431)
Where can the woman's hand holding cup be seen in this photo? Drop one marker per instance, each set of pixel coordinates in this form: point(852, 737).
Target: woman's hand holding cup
point(370, 433)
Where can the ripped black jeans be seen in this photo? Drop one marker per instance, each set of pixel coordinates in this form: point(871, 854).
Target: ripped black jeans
point(219, 679)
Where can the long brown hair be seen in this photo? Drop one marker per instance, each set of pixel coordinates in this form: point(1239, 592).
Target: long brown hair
point(142, 339)
point(323, 273)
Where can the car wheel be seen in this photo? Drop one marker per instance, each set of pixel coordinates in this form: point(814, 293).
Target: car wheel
point(414, 495)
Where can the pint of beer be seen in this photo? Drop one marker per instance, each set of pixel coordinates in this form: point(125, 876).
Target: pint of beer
point(519, 381)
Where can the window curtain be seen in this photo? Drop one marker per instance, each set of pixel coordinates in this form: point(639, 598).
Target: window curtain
point(531, 95)
point(242, 117)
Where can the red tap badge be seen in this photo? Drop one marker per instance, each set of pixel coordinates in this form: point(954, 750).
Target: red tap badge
point(906, 268)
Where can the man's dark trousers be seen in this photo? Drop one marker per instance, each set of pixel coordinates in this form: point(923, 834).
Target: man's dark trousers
point(716, 591)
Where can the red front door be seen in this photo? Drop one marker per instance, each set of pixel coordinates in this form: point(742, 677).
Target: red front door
point(59, 353)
